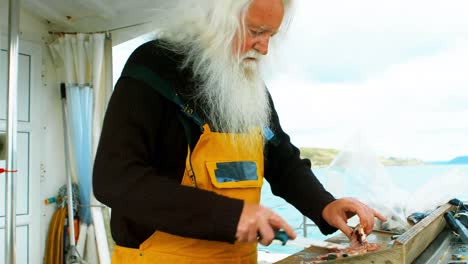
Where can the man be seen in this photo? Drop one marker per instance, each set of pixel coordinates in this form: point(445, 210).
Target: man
point(189, 134)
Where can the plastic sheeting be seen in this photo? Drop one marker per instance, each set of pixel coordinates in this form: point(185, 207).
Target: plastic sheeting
point(358, 172)
point(83, 62)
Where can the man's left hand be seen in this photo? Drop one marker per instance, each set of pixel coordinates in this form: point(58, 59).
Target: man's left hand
point(339, 211)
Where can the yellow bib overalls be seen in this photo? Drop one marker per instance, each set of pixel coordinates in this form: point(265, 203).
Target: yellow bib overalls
point(213, 160)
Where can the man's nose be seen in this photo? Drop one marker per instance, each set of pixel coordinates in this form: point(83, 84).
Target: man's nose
point(262, 45)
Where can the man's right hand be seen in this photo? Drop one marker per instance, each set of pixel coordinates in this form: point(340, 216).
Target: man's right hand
point(258, 221)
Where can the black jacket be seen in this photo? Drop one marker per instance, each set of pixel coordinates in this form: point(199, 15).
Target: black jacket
point(141, 156)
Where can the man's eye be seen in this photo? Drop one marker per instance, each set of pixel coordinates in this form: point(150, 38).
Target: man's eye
point(256, 32)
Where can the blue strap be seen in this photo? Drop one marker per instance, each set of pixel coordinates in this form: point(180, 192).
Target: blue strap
point(165, 88)
point(270, 136)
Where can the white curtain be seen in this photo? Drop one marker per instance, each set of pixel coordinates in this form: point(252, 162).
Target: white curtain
point(84, 64)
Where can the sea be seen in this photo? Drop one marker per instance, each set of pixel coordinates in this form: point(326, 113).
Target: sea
point(425, 186)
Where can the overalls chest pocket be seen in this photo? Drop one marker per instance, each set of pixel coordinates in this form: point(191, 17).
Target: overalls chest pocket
point(234, 174)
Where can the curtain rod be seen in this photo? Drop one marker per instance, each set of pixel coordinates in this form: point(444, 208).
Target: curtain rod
point(101, 31)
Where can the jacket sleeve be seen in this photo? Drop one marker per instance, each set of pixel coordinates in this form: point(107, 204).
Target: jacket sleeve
point(292, 179)
point(127, 178)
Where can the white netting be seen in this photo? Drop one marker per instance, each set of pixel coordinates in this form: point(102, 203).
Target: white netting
point(358, 172)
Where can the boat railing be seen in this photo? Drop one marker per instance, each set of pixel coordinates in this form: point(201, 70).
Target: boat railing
point(305, 224)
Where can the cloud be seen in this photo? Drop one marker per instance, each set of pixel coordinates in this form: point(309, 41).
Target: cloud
point(349, 41)
point(371, 15)
point(416, 108)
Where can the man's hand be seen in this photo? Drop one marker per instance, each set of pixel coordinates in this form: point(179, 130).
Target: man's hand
point(258, 221)
point(339, 211)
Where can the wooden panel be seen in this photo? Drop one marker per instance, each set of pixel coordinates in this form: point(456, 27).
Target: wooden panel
point(305, 256)
point(22, 177)
point(2, 190)
point(387, 256)
point(416, 240)
point(22, 245)
point(29, 244)
point(24, 86)
point(2, 146)
point(22, 181)
point(404, 250)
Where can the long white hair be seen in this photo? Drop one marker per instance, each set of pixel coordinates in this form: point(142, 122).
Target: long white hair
point(205, 32)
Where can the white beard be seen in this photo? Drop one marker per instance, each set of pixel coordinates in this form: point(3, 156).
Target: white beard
point(234, 94)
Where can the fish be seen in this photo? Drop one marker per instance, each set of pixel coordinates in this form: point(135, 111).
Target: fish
point(358, 245)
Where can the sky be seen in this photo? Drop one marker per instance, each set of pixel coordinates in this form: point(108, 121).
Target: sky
point(393, 74)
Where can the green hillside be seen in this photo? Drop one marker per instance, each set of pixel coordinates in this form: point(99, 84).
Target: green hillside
point(322, 157)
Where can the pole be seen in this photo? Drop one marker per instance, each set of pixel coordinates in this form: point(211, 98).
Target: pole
point(72, 252)
point(12, 117)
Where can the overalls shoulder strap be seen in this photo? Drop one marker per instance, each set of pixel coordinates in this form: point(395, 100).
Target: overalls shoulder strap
point(166, 89)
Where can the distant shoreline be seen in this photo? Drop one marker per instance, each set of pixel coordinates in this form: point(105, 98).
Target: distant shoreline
point(323, 157)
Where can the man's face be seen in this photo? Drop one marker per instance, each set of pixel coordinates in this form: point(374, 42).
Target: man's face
point(263, 20)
